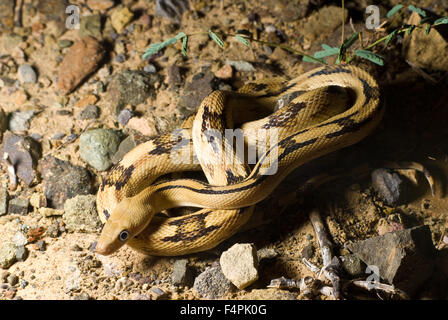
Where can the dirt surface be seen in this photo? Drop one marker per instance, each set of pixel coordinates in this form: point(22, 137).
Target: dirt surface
point(413, 129)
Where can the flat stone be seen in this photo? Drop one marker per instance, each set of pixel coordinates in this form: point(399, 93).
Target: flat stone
point(212, 284)
point(240, 65)
point(404, 258)
point(18, 205)
point(125, 146)
point(239, 264)
point(182, 275)
point(129, 87)
point(63, 181)
point(23, 153)
point(7, 255)
point(97, 147)
point(90, 26)
point(50, 212)
point(80, 214)
point(81, 60)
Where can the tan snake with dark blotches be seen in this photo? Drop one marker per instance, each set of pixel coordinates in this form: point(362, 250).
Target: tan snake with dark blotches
point(308, 124)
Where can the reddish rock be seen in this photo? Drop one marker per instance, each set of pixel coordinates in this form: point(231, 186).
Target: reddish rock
point(81, 60)
point(226, 72)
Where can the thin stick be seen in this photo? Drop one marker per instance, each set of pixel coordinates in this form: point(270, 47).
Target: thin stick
point(330, 263)
point(343, 23)
point(379, 287)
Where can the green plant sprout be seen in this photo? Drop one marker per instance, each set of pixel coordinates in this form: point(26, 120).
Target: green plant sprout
point(342, 51)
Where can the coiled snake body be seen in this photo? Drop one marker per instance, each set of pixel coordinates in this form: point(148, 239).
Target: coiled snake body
point(309, 122)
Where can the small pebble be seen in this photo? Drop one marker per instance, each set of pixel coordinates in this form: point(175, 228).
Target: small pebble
point(149, 68)
point(26, 74)
point(270, 29)
point(23, 283)
point(12, 279)
point(120, 58)
point(58, 136)
point(124, 116)
point(240, 65)
point(89, 112)
point(41, 245)
point(64, 43)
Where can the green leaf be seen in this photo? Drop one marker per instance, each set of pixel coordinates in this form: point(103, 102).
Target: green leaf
point(369, 55)
point(308, 59)
point(184, 45)
point(242, 40)
point(328, 51)
point(394, 10)
point(418, 10)
point(390, 36)
point(425, 20)
point(428, 29)
point(156, 47)
point(349, 42)
point(216, 38)
point(441, 21)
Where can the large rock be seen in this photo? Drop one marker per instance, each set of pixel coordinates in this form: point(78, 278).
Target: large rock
point(129, 87)
point(81, 60)
point(80, 214)
point(63, 181)
point(212, 284)
point(427, 51)
point(239, 264)
point(404, 258)
point(23, 153)
point(98, 146)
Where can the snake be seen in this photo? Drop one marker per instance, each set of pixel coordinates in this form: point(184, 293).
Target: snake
point(305, 114)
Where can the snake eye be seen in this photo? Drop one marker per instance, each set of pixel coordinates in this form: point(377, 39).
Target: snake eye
point(123, 236)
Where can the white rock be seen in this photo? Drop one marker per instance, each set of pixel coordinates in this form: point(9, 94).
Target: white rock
point(19, 239)
point(26, 74)
point(239, 264)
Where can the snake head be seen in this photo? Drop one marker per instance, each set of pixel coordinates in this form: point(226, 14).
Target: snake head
point(127, 220)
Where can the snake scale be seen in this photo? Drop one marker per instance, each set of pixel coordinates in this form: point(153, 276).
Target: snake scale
point(308, 124)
